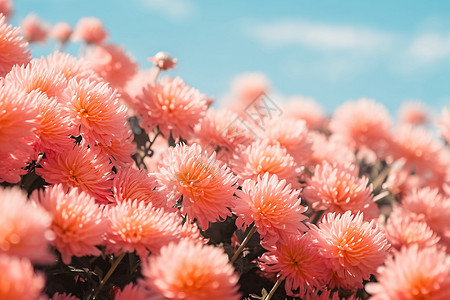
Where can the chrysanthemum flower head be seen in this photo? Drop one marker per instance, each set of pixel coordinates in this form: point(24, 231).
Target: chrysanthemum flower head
point(414, 112)
point(163, 60)
point(352, 248)
point(337, 188)
point(307, 109)
point(61, 31)
point(261, 157)
point(80, 167)
point(403, 231)
point(24, 227)
point(137, 226)
point(331, 149)
point(293, 135)
point(444, 124)
point(77, 221)
point(95, 109)
point(18, 280)
point(190, 270)
point(297, 261)
point(272, 205)
point(13, 48)
point(206, 185)
point(90, 30)
point(12, 165)
point(413, 273)
point(119, 149)
point(6, 7)
point(247, 87)
point(133, 184)
point(34, 29)
point(172, 106)
point(112, 64)
point(71, 67)
point(132, 291)
point(362, 123)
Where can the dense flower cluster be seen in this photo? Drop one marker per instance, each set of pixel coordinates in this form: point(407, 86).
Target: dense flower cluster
point(117, 184)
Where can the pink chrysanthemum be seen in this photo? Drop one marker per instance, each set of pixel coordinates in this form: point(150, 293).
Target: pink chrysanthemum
point(331, 149)
point(307, 109)
point(119, 150)
point(24, 228)
point(191, 271)
point(261, 157)
point(12, 165)
point(77, 221)
point(206, 185)
point(272, 205)
point(112, 64)
point(90, 30)
point(403, 231)
point(13, 48)
point(352, 248)
point(429, 205)
point(38, 76)
point(293, 135)
point(54, 129)
point(362, 123)
point(172, 106)
point(132, 292)
point(163, 60)
point(222, 131)
point(34, 29)
point(18, 280)
point(71, 67)
point(61, 32)
point(63, 296)
point(414, 113)
point(298, 262)
point(6, 7)
point(247, 87)
point(413, 273)
point(137, 226)
point(94, 108)
point(337, 188)
point(82, 168)
point(135, 86)
point(132, 184)
point(444, 124)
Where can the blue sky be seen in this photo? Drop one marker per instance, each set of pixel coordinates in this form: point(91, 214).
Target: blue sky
point(333, 51)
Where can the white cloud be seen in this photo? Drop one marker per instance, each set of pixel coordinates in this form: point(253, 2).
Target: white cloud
point(320, 36)
point(172, 9)
point(430, 47)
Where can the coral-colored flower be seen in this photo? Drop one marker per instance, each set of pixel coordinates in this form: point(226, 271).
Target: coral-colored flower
point(135, 86)
point(77, 221)
point(293, 135)
point(112, 64)
point(403, 231)
point(172, 106)
point(34, 29)
point(13, 48)
point(163, 60)
point(18, 280)
point(119, 150)
point(132, 291)
point(63, 296)
point(191, 271)
point(444, 124)
point(414, 113)
point(352, 248)
point(331, 149)
point(261, 157)
point(137, 226)
point(246, 88)
point(298, 262)
point(362, 123)
point(272, 205)
point(132, 184)
point(206, 185)
point(12, 165)
point(94, 108)
point(38, 76)
point(223, 131)
point(307, 109)
point(61, 32)
point(24, 227)
point(413, 273)
point(337, 188)
point(82, 168)
point(6, 7)
point(90, 30)
point(71, 67)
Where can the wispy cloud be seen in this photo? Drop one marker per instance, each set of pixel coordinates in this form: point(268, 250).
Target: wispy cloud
point(321, 36)
point(430, 47)
point(172, 9)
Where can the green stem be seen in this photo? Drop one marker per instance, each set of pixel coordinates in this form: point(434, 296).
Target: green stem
point(274, 289)
point(108, 275)
point(243, 244)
